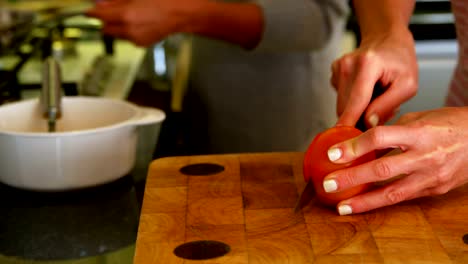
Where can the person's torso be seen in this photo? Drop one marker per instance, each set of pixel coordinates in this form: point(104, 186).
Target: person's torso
point(260, 100)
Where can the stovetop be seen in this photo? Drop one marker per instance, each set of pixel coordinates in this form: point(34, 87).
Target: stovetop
point(91, 63)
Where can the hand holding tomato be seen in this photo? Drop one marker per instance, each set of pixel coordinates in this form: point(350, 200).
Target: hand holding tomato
point(317, 164)
point(430, 157)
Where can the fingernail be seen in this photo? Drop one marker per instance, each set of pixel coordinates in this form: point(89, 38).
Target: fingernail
point(334, 154)
point(374, 120)
point(330, 185)
point(345, 209)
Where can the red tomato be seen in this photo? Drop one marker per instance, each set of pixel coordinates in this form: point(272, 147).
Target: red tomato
point(317, 165)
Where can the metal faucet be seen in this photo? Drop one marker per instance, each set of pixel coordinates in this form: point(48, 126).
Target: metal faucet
point(51, 94)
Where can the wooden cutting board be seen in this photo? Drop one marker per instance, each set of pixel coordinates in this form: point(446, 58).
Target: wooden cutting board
point(247, 203)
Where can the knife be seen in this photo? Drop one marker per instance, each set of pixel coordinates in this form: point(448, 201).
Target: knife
point(378, 91)
point(306, 196)
point(309, 191)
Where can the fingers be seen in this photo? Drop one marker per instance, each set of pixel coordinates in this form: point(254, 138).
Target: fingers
point(355, 75)
point(341, 78)
point(379, 170)
point(115, 17)
point(336, 76)
point(134, 21)
point(366, 75)
point(405, 188)
point(382, 137)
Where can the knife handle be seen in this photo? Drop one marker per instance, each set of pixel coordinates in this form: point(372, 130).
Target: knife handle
point(378, 91)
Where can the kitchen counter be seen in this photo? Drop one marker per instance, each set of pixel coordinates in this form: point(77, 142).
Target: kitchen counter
point(93, 225)
point(88, 226)
point(245, 202)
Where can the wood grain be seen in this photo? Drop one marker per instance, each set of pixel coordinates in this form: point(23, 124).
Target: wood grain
point(249, 206)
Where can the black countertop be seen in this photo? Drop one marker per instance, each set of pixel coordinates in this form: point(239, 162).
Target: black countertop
point(88, 225)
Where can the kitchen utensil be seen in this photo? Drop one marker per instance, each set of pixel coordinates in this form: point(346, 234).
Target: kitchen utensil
point(51, 93)
point(308, 192)
point(378, 91)
point(305, 197)
point(94, 143)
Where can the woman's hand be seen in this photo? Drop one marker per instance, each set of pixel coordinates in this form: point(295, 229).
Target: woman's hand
point(144, 22)
point(433, 158)
point(385, 58)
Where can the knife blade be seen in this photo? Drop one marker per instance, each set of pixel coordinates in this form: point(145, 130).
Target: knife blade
point(306, 196)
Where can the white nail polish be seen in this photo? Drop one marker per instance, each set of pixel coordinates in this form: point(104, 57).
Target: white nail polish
point(330, 185)
point(345, 209)
point(334, 154)
point(374, 120)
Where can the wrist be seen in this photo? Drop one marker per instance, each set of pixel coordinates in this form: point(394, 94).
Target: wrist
point(402, 34)
point(195, 16)
point(190, 13)
point(384, 17)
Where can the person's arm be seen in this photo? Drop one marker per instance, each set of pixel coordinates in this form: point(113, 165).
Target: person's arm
point(146, 22)
point(377, 17)
point(386, 55)
point(273, 25)
point(293, 25)
point(431, 146)
point(238, 23)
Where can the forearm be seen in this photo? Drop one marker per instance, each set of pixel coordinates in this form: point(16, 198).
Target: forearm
point(293, 25)
point(239, 23)
point(382, 16)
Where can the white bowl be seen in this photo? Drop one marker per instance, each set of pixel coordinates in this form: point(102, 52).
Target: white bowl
point(95, 142)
